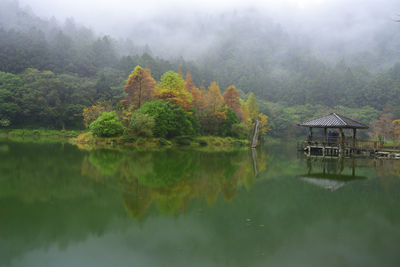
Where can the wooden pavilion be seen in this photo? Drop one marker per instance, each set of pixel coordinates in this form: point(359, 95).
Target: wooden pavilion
point(333, 144)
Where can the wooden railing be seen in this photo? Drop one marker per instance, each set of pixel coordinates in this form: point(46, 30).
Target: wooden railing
point(347, 142)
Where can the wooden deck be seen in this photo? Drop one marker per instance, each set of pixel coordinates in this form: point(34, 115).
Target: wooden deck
point(333, 148)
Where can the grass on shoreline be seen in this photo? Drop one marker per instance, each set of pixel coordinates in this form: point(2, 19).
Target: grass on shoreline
point(88, 140)
point(39, 133)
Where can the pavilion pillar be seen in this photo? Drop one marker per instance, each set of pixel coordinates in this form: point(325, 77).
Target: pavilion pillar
point(310, 134)
point(341, 135)
point(325, 135)
point(354, 137)
point(340, 141)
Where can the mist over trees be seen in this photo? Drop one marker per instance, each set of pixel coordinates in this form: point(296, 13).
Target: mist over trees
point(51, 70)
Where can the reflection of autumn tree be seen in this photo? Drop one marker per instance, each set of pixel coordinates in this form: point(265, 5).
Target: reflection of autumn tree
point(90, 170)
point(169, 200)
point(136, 197)
point(172, 179)
point(386, 168)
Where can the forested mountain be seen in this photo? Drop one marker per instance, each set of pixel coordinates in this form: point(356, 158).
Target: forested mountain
point(52, 70)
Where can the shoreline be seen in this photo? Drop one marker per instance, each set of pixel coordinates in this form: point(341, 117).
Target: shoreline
point(86, 140)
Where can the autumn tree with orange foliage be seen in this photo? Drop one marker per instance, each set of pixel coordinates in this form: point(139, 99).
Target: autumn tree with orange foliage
point(213, 119)
point(198, 103)
point(139, 87)
point(189, 84)
point(232, 100)
point(171, 88)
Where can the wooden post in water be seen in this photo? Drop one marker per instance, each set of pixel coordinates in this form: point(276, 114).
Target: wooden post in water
point(254, 157)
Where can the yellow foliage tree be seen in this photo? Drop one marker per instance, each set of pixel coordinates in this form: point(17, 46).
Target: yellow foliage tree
point(171, 88)
point(214, 97)
point(263, 123)
point(245, 114)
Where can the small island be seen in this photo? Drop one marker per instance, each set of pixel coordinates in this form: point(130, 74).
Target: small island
point(172, 112)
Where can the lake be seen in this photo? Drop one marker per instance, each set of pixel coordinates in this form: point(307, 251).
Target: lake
point(62, 206)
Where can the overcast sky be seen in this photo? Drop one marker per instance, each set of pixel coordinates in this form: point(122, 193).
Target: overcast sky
point(105, 15)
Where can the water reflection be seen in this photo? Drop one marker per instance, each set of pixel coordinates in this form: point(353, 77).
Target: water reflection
point(59, 206)
point(171, 179)
point(331, 173)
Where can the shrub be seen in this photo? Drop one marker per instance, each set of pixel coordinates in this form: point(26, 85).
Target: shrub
point(203, 143)
point(5, 123)
point(183, 140)
point(240, 130)
point(107, 125)
point(36, 132)
point(141, 125)
point(163, 142)
point(170, 120)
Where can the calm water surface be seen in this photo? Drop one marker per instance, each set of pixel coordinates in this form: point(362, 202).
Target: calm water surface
point(61, 206)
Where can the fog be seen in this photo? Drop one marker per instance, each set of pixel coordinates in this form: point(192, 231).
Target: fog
point(336, 53)
point(330, 29)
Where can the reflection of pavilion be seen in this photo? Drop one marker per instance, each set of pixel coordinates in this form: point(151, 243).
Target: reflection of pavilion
point(329, 173)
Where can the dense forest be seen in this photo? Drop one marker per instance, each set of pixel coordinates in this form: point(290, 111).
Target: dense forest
point(51, 71)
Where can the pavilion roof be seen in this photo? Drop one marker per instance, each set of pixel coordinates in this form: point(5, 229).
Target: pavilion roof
point(334, 120)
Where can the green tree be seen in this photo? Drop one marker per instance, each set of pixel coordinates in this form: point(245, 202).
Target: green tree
point(252, 106)
point(170, 120)
point(240, 130)
point(10, 86)
point(141, 125)
point(231, 119)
